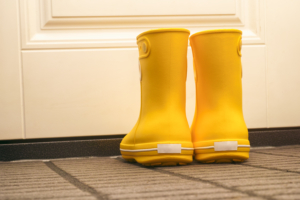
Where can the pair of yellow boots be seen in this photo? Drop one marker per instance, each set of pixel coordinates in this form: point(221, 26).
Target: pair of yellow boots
point(162, 135)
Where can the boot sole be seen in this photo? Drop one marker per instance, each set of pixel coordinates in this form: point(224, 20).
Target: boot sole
point(223, 152)
point(160, 160)
point(222, 157)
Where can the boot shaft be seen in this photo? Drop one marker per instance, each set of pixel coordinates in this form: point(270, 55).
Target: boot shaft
point(217, 61)
point(218, 69)
point(163, 65)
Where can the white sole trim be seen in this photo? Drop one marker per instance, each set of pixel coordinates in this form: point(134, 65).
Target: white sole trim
point(212, 147)
point(153, 149)
point(138, 150)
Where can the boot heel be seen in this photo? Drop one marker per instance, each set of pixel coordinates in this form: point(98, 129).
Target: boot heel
point(160, 160)
point(222, 157)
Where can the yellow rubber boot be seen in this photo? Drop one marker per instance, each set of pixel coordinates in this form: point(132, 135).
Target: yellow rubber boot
point(161, 135)
point(219, 131)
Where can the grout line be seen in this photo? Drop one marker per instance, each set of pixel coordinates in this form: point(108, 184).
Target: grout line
point(186, 177)
point(276, 154)
point(261, 148)
point(277, 176)
point(77, 183)
point(263, 184)
point(189, 178)
point(272, 147)
point(271, 168)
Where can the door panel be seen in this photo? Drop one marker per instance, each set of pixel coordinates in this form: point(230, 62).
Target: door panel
point(283, 63)
point(113, 8)
point(41, 29)
point(80, 92)
point(11, 105)
point(70, 91)
point(254, 86)
point(75, 65)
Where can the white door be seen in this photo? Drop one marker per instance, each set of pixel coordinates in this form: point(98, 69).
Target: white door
point(70, 67)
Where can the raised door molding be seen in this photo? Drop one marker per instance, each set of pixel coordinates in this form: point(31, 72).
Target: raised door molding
point(137, 8)
point(62, 24)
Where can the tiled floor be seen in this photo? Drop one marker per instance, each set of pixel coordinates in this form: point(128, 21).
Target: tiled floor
point(270, 173)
